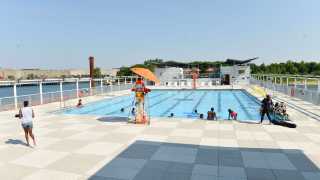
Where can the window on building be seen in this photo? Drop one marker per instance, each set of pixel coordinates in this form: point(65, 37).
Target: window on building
point(241, 71)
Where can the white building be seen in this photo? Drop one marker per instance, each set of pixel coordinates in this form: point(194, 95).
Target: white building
point(237, 74)
point(169, 73)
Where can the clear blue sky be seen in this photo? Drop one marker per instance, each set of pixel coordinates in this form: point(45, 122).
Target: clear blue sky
point(62, 33)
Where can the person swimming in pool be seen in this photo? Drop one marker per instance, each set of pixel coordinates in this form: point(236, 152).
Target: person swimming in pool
point(122, 109)
point(79, 105)
point(171, 115)
point(232, 114)
point(211, 115)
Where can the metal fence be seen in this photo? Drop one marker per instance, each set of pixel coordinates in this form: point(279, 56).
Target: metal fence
point(187, 83)
point(299, 87)
point(102, 87)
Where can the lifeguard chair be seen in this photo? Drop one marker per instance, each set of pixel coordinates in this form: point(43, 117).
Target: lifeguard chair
point(140, 114)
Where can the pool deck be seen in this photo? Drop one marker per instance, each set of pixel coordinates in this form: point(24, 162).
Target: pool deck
point(92, 147)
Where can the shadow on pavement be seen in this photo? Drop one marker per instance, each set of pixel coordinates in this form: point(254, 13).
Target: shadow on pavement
point(113, 119)
point(16, 142)
point(149, 160)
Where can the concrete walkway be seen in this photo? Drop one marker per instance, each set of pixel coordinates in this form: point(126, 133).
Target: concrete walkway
point(89, 147)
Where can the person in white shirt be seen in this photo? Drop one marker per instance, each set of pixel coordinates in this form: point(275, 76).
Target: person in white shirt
point(26, 114)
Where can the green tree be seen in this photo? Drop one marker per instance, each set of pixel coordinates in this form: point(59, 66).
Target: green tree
point(97, 73)
point(31, 76)
point(11, 77)
point(124, 71)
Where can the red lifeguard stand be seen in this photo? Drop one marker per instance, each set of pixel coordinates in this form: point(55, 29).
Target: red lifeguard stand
point(141, 91)
point(195, 76)
point(141, 116)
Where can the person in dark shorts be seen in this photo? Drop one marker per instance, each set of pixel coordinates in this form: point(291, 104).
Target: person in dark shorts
point(266, 108)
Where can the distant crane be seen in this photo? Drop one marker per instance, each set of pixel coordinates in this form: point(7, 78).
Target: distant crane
point(239, 62)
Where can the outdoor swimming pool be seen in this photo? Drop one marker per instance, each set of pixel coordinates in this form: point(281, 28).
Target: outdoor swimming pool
point(161, 103)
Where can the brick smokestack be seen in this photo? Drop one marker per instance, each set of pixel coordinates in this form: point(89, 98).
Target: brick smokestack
point(91, 66)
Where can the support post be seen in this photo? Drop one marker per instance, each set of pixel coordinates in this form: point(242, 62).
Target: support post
point(287, 81)
point(318, 85)
point(61, 92)
point(90, 86)
point(101, 85)
point(119, 87)
point(77, 87)
point(131, 80)
point(15, 95)
point(125, 80)
point(41, 92)
point(305, 83)
point(295, 82)
point(111, 84)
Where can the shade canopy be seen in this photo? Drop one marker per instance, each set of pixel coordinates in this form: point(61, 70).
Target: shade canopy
point(145, 73)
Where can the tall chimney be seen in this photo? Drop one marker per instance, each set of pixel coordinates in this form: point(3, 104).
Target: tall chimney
point(91, 66)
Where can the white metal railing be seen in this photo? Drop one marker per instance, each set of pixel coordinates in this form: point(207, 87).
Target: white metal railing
point(200, 82)
point(302, 87)
point(105, 85)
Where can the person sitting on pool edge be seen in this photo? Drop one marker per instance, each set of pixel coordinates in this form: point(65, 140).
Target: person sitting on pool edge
point(283, 108)
point(171, 115)
point(79, 105)
point(232, 114)
point(201, 116)
point(211, 115)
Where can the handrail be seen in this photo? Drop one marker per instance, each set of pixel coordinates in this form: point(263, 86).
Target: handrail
point(12, 102)
point(36, 81)
point(288, 75)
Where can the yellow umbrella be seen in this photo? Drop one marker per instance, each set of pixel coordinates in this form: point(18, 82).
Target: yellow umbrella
point(145, 73)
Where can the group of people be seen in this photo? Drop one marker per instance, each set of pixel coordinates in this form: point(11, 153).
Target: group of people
point(211, 114)
point(280, 108)
point(272, 111)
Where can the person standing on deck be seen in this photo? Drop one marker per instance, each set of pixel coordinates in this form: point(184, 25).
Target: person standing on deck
point(26, 114)
point(266, 108)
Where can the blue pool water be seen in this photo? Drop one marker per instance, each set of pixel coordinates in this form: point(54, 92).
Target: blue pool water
point(161, 103)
